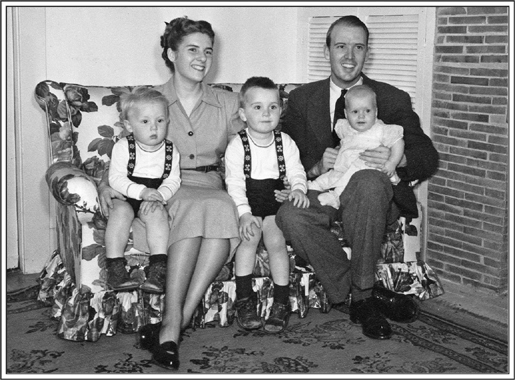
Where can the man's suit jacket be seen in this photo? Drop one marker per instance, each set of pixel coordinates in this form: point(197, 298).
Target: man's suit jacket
point(307, 120)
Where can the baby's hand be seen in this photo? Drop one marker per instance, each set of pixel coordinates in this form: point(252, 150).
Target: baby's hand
point(246, 222)
point(152, 195)
point(388, 168)
point(299, 199)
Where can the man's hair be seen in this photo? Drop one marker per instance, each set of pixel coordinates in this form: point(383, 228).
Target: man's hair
point(360, 91)
point(261, 82)
point(179, 28)
point(141, 95)
point(351, 21)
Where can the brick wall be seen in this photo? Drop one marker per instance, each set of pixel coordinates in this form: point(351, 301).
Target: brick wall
point(467, 240)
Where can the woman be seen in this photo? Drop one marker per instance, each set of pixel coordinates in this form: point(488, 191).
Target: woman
point(204, 219)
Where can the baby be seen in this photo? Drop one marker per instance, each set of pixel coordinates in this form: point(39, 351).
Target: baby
point(361, 130)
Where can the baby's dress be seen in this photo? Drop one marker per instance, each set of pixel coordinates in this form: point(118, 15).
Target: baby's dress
point(354, 142)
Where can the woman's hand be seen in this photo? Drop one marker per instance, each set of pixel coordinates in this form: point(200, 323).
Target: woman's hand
point(299, 199)
point(106, 194)
point(246, 222)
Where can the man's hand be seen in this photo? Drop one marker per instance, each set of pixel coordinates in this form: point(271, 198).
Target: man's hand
point(325, 164)
point(377, 157)
point(246, 222)
point(106, 194)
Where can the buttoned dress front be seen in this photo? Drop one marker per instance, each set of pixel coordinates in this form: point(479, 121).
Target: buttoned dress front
point(201, 207)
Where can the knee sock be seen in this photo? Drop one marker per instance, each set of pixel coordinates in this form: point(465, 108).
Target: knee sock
point(281, 293)
point(154, 259)
point(244, 286)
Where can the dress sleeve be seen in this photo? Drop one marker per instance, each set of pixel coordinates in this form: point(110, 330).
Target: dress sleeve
point(234, 176)
point(391, 134)
point(235, 122)
point(342, 128)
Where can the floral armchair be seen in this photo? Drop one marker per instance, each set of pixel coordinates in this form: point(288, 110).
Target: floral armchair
point(83, 124)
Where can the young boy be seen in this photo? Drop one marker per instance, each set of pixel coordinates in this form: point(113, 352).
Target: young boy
point(361, 130)
point(145, 168)
point(257, 160)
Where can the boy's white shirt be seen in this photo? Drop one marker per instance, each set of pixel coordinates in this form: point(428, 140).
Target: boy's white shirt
point(264, 165)
point(148, 165)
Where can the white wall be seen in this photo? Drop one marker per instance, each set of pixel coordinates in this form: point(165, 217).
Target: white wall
point(118, 46)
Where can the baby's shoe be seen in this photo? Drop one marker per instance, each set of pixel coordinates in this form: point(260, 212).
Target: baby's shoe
point(117, 276)
point(278, 319)
point(246, 313)
point(156, 279)
point(329, 198)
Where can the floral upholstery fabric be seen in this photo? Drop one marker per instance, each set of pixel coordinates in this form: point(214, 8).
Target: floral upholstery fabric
point(83, 124)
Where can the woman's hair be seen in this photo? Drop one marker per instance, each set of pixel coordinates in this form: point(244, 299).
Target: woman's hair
point(141, 95)
point(179, 28)
point(261, 82)
point(351, 21)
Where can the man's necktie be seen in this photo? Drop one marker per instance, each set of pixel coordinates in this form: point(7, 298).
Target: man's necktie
point(338, 114)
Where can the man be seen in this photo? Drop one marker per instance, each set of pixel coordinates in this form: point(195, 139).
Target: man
point(370, 202)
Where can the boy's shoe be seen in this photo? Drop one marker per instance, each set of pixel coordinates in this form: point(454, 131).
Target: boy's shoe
point(246, 313)
point(156, 280)
point(278, 319)
point(117, 276)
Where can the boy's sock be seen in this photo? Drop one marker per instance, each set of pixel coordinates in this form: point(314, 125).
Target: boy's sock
point(153, 259)
point(281, 294)
point(243, 286)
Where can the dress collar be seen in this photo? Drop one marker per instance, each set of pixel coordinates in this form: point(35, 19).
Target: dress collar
point(208, 95)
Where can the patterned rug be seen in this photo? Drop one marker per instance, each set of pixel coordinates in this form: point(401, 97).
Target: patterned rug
point(320, 343)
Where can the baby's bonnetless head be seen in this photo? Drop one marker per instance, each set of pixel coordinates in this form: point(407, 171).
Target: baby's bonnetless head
point(363, 92)
point(361, 107)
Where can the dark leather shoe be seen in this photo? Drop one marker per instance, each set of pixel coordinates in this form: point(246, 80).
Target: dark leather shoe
point(395, 306)
point(278, 319)
point(166, 355)
point(374, 325)
point(149, 335)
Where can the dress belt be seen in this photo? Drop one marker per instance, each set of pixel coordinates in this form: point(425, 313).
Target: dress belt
point(204, 169)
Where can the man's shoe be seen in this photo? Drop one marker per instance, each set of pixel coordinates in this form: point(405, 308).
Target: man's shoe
point(246, 313)
point(395, 306)
point(278, 319)
point(149, 335)
point(374, 325)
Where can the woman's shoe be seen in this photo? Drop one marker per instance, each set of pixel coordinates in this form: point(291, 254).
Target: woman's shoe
point(166, 355)
point(149, 336)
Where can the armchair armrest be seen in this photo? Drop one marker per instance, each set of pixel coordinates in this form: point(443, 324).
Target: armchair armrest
point(70, 186)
